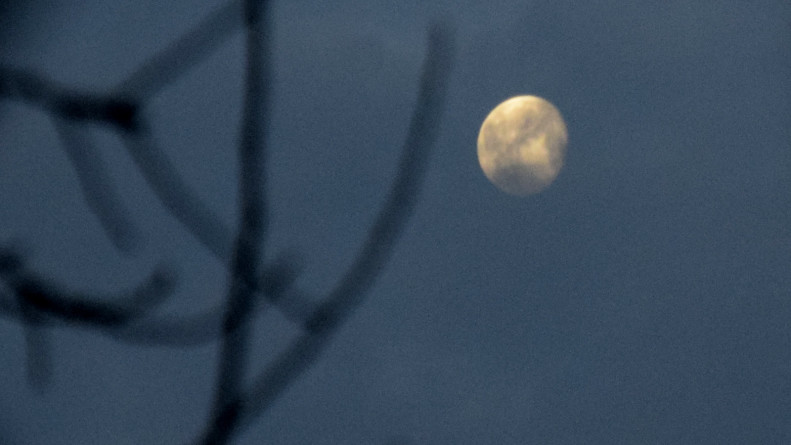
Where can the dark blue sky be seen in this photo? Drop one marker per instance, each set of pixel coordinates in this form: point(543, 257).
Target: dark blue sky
point(644, 297)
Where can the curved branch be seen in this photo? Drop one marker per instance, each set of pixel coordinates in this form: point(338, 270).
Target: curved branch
point(67, 103)
point(275, 283)
point(349, 293)
point(177, 197)
point(181, 55)
point(96, 186)
point(401, 200)
point(48, 298)
point(253, 221)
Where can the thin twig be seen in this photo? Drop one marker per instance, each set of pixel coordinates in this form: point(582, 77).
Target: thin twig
point(67, 103)
point(49, 298)
point(177, 197)
point(234, 350)
point(157, 169)
point(205, 226)
point(276, 283)
point(37, 346)
point(401, 200)
point(347, 296)
point(190, 48)
point(96, 186)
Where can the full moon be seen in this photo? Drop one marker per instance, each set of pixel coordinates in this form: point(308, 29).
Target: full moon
point(522, 145)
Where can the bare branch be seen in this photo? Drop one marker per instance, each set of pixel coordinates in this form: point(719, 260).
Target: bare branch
point(49, 298)
point(347, 296)
point(177, 197)
point(190, 48)
point(28, 87)
point(96, 186)
point(423, 128)
point(207, 228)
point(157, 169)
point(37, 346)
point(276, 283)
point(38, 303)
point(253, 220)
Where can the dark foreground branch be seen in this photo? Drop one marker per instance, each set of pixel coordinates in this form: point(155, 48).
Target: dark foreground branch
point(51, 299)
point(253, 219)
point(39, 300)
point(350, 292)
point(96, 186)
point(276, 282)
point(117, 111)
point(180, 56)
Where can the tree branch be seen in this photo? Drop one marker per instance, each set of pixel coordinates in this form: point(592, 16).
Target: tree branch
point(190, 48)
point(96, 186)
point(48, 298)
point(26, 86)
point(234, 350)
point(349, 294)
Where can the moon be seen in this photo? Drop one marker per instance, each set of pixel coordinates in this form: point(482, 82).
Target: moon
point(522, 145)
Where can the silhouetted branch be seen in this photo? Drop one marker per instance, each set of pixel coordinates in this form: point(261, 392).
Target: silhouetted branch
point(170, 63)
point(96, 186)
point(38, 298)
point(347, 296)
point(185, 205)
point(65, 104)
point(37, 345)
point(177, 197)
point(275, 282)
point(28, 87)
point(48, 298)
point(38, 303)
point(9, 307)
point(253, 219)
point(402, 197)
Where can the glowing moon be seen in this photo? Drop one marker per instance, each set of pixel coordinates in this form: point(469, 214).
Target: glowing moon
point(522, 145)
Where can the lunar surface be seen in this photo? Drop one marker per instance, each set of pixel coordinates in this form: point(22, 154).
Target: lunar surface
point(522, 145)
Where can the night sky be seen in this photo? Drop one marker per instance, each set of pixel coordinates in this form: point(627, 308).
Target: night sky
point(643, 298)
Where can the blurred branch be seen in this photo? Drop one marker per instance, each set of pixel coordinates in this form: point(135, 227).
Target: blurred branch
point(276, 282)
point(157, 169)
point(177, 197)
point(200, 221)
point(390, 222)
point(96, 187)
point(253, 219)
point(37, 345)
point(48, 298)
point(69, 104)
point(348, 295)
point(37, 298)
point(189, 49)
point(38, 302)
point(118, 110)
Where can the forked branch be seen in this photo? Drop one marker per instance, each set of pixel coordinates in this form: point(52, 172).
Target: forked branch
point(352, 288)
